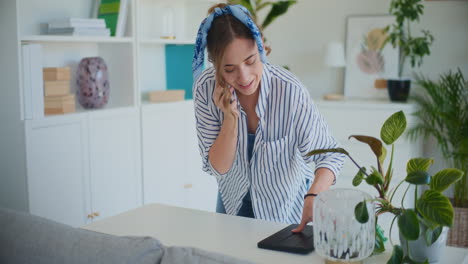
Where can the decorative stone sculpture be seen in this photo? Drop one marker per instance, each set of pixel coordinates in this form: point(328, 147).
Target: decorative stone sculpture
point(93, 83)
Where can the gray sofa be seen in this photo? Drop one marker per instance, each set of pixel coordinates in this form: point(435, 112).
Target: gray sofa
point(25, 238)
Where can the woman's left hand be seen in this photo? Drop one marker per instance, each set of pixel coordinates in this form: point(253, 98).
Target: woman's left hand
point(307, 214)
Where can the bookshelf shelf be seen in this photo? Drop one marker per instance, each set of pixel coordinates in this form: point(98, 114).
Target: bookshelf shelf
point(168, 41)
point(74, 39)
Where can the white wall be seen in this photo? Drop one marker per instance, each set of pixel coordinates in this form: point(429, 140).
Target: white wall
point(298, 38)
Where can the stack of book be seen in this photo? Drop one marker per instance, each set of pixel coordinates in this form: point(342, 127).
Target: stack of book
point(79, 27)
point(57, 96)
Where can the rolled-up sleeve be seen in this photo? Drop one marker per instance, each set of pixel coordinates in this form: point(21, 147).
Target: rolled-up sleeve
point(208, 123)
point(312, 133)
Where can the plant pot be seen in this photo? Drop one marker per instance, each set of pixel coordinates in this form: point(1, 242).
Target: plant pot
point(419, 250)
point(398, 90)
point(458, 234)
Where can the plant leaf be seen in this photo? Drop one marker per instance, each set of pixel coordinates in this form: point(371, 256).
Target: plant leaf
point(361, 213)
point(374, 143)
point(277, 9)
point(432, 235)
point(393, 127)
point(321, 151)
point(435, 207)
point(359, 177)
point(383, 156)
point(245, 3)
point(418, 164)
point(418, 177)
point(409, 225)
point(444, 178)
point(375, 177)
point(397, 255)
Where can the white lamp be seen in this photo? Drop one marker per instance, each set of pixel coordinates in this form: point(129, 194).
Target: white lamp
point(335, 55)
point(334, 58)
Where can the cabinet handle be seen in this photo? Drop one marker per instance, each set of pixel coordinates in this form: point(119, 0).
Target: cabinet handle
point(188, 186)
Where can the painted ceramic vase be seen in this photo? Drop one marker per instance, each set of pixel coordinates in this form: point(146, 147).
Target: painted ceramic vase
point(93, 83)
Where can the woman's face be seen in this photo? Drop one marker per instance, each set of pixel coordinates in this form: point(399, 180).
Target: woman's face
point(241, 66)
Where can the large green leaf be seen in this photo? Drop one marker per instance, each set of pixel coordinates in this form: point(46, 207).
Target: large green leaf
point(361, 213)
point(409, 225)
point(277, 9)
point(359, 177)
point(321, 151)
point(418, 177)
point(444, 178)
point(374, 178)
point(418, 164)
point(397, 255)
point(435, 207)
point(393, 127)
point(432, 235)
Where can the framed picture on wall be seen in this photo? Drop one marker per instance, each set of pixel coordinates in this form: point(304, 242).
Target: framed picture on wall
point(370, 60)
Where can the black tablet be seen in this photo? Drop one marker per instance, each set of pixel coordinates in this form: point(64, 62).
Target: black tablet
point(285, 240)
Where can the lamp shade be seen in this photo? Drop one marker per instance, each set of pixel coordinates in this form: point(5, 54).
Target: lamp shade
point(334, 56)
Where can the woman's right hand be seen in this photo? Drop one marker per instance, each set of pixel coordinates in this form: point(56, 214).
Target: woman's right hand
point(225, 100)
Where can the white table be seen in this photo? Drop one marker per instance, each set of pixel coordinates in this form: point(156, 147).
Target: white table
point(230, 235)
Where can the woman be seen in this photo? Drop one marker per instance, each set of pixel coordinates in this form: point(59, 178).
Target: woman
point(255, 125)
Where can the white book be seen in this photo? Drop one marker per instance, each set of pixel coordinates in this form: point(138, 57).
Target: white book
point(26, 91)
point(80, 31)
point(122, 19)
point(78, 22)
point(37, 81)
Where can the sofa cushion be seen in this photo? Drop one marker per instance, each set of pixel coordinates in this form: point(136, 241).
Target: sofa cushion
point(25, 238)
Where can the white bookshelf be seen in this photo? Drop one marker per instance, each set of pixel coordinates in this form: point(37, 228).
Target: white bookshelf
point(67, 167)
point(73, 39)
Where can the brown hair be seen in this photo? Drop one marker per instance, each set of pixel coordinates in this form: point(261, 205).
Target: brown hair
point(224, 29)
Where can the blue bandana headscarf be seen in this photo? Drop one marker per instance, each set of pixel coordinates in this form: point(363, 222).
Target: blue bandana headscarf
point(239, 12)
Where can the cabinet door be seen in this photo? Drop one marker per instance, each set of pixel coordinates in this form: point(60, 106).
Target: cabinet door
point(203, 190)
point(114, 161)
point(58, 168)
point(164, 150)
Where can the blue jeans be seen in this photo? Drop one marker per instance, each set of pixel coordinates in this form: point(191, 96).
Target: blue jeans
point(245, 210)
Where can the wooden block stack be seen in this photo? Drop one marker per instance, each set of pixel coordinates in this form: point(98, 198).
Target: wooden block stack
point(57, 96)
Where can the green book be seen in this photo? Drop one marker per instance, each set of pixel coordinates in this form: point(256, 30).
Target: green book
point(109, 11)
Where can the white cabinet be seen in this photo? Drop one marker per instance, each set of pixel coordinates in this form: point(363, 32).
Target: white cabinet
point(115, 163)
point(84, 166)
point(57, 169)
point(172, 171)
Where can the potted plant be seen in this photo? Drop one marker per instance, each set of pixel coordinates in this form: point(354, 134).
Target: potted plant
point(443, 115)
point(255, 6)
point(422, 231)
point(410, 47)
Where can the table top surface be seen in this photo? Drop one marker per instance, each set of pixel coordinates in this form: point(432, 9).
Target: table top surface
point(230, 235)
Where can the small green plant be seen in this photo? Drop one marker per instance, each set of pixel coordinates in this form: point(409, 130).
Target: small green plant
point(405, 12)
point(432, 209)
point(443, 114)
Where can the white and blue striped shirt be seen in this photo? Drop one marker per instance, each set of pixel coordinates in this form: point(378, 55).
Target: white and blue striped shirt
point(290, 126)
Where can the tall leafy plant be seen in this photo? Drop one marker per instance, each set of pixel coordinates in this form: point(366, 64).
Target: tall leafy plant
point(443, 114)
point(432, 209)
point(276, 9)
point(400, 35)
